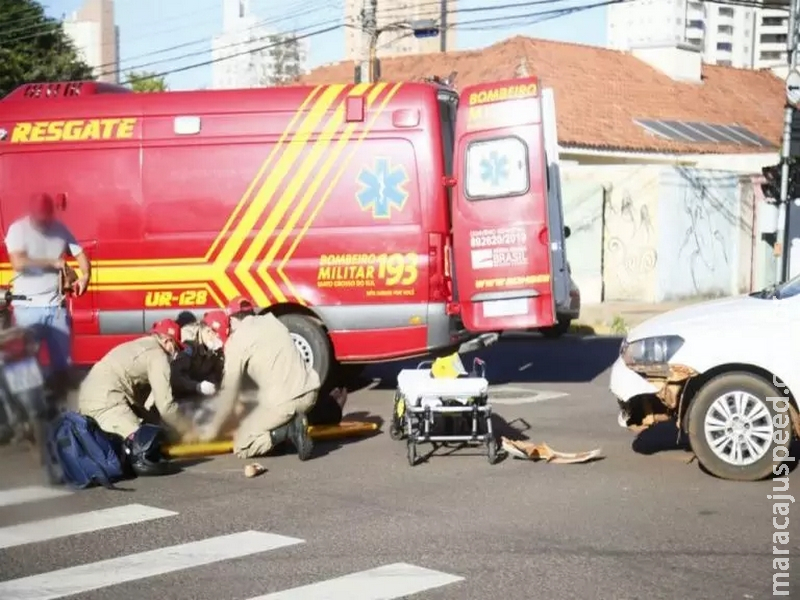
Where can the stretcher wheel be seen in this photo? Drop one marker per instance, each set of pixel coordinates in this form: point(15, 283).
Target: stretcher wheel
point(491, 450)
point(398, 418)
point(411, 450)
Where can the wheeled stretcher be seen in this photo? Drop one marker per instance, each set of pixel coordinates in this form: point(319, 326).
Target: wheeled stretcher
point(441, 411)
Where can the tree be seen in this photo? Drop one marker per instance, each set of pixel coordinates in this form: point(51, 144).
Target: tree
point(144, 81)
point(34, 48)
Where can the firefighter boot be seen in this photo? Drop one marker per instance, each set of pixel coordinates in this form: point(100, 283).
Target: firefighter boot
point(296, 432)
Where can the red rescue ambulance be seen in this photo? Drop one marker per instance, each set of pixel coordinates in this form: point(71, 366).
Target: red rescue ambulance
point(378, 221)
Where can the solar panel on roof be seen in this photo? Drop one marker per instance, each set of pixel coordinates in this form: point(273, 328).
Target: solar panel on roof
point(740, 137)
point(715, 134)
point(761, 141)
point(659, 129)
point(695, 132)
point(687, 132)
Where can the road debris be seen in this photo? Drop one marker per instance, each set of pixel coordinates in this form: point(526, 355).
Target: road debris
point(531, 451)
point(254, 470)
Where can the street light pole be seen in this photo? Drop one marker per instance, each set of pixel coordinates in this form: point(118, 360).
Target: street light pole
point(782, 273)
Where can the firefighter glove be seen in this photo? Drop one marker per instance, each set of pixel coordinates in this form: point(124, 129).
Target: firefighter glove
point(207, 388)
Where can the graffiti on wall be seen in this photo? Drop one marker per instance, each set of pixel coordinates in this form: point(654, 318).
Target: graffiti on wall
point(631, 253)
point(704, 244)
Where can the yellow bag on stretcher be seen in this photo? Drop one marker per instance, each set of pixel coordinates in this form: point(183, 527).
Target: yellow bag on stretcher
point(448, 367)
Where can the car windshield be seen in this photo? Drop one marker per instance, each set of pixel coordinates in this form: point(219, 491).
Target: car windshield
point(787, 289)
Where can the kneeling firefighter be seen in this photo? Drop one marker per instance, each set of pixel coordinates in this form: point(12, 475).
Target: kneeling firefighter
point(262, 347)
point(108, 395)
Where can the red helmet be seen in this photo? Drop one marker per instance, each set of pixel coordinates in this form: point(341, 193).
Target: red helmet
point(170, 329)
point(219, 322)
point(239, 304)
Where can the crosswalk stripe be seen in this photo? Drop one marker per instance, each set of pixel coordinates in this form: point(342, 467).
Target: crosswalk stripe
point(94, 576)
point(33, 493)
point(49, 529)
point(384, 583)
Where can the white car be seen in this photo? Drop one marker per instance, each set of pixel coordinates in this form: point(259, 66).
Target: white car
point(721, 370)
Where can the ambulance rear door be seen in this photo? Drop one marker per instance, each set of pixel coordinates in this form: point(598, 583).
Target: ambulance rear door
point(502, 234)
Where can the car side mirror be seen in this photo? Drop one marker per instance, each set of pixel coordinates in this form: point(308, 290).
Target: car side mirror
point(567, 232)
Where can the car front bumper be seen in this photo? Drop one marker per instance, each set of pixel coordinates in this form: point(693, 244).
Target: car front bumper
point(626, 385)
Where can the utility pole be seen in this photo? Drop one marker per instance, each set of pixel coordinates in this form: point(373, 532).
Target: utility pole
point(443, 27)
point(369, 31)
point(784, 201)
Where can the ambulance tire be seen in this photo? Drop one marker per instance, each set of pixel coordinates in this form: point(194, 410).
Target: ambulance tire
point(310, 338)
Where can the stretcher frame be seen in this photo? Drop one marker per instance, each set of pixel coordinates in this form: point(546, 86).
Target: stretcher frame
point(413, 423)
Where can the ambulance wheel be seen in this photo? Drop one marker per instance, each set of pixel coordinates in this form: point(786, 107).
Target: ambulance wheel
point(411, 450)
point(311, 341)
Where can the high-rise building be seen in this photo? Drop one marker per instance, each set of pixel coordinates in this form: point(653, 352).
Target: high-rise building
point(751, 37)
point(246, 54)
point(96, 38)
point(400, 41)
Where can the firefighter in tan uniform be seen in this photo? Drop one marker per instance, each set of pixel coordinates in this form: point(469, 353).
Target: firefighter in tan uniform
point(109, 392)
point(261, 347)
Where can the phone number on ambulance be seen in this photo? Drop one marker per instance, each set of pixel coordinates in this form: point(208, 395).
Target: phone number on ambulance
point(514, 238)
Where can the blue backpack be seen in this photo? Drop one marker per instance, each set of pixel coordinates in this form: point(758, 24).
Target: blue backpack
point(81, 454)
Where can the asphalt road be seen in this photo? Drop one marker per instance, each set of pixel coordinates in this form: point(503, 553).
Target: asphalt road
point(642, 523)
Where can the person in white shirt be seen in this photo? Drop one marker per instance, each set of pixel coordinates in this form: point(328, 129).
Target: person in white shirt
point(37, 244)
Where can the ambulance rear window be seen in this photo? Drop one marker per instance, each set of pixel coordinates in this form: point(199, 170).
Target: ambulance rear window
point(497, 168)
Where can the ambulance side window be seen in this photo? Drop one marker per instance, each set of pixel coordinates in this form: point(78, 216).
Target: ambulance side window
point(497, 168)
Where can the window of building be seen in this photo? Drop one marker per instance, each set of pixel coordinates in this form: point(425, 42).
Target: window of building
point(725, 11)
point(772, 21)
point(697, 24)
point(724, 46)
point(497, 168)
point(725, 29)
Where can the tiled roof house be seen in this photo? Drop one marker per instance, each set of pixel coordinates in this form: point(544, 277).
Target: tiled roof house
point(602, 96)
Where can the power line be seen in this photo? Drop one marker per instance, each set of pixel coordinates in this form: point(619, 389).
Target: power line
point(249, 51)
point(333, 28)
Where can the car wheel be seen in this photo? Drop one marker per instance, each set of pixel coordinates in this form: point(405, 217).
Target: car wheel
point(732, 428)
point(557, 330)
point(311, 341)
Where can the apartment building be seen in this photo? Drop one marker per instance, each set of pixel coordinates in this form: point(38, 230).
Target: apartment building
point(750, 37)
point(96, 38)
point(400, 41)
point(247, 54)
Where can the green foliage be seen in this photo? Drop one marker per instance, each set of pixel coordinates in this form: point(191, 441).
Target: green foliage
point(34, 48)
point(143, 81)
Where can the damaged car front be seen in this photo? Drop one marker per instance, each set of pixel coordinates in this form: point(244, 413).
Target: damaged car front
point(647, 384)
point(723, 371)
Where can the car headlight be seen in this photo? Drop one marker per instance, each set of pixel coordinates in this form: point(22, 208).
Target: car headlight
point(652, 351)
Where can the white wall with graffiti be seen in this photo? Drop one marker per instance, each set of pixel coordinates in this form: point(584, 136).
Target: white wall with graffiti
point(650, 233)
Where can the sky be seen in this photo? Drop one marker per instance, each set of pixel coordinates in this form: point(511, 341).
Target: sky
point(170, 35)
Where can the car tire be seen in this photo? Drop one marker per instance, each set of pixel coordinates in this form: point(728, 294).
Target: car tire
point(556, 331)
point(311, 341)
point(705, 421)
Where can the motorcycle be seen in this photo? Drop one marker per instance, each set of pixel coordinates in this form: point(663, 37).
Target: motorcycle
point(24, 404)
